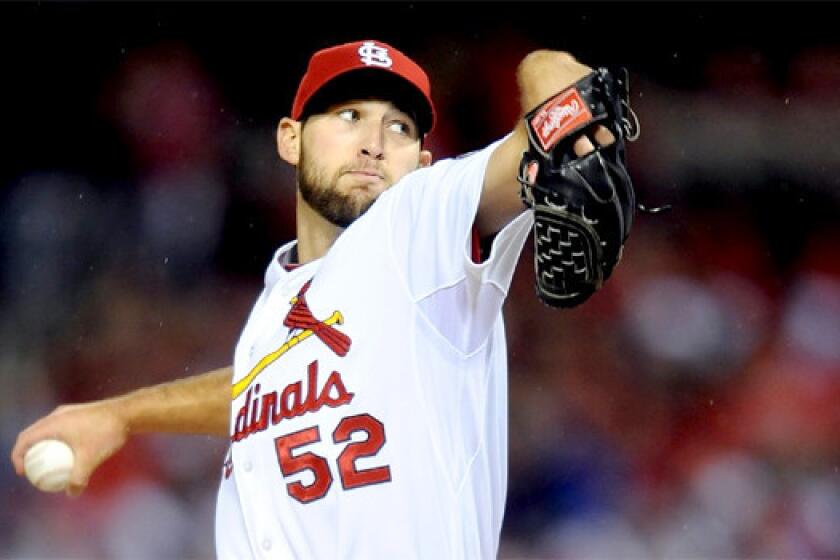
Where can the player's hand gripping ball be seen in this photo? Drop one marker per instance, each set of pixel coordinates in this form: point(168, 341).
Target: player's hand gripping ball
point(48, 464)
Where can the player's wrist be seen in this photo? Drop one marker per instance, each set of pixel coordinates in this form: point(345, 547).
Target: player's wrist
point(544, 73)
point(122, 412)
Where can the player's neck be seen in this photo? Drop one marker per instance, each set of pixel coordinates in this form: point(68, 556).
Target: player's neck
point(315, 235)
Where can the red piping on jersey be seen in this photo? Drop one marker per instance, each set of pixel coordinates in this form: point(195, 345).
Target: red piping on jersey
point(476, 246)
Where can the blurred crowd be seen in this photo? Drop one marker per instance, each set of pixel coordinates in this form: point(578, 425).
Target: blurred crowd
point(688, 410)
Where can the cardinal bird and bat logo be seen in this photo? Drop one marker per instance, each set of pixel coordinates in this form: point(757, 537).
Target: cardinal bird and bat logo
point(303, 324)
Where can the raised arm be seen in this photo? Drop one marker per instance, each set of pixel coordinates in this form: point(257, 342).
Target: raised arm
point(96, 430)
point(540, 75)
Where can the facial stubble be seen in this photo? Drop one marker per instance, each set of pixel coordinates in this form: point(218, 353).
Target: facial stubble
point(321, 192)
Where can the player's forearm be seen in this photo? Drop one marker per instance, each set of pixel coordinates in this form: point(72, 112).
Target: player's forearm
point(540, 75)
point(500, 201)
point(194, 405)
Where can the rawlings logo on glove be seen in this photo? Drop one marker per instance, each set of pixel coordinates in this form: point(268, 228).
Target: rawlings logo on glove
point(583, 205)
point(557, 116)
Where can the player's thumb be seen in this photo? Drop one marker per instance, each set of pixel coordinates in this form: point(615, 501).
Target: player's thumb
point(79, 477)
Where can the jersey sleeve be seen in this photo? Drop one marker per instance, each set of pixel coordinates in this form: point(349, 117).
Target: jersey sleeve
point(431, 215)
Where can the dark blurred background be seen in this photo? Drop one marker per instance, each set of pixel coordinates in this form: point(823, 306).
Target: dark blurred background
point(691, 409)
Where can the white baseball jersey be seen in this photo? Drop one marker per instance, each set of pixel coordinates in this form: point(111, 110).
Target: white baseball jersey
point(369, 417)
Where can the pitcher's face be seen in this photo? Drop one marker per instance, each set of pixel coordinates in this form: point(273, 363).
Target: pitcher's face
point(351, 153)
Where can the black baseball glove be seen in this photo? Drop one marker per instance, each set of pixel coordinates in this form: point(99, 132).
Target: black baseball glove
point(583, 205)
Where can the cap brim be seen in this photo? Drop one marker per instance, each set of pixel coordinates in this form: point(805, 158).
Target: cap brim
point(371, 83)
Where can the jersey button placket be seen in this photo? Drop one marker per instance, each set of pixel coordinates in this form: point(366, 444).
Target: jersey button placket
point(266, 544)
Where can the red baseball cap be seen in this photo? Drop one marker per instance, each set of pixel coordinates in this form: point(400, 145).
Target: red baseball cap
point(366, 68)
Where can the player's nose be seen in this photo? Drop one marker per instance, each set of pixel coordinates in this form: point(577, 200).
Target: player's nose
point(372, 143)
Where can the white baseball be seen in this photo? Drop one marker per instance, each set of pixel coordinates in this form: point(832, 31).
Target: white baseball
point(47, 465)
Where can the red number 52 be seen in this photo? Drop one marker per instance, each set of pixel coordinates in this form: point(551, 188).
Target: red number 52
point(351, 477)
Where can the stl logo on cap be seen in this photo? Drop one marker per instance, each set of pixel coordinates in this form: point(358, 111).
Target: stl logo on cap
point(373, 55)
point(368, 54)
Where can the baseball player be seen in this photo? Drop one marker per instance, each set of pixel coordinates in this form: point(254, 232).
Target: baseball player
point(366, 404)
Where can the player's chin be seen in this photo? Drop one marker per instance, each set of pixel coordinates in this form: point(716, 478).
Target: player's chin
point(350, 211)
point(361, 201)
point(362, 196)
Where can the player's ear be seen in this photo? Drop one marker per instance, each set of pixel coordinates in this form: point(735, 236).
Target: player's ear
point(425, 158)
point(288, 140)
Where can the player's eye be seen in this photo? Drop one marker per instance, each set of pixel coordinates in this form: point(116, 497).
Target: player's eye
point(399, 127)
point(349, 115)
point(403, 127)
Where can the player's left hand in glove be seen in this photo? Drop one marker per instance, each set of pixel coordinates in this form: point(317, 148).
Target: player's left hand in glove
point(583, 204)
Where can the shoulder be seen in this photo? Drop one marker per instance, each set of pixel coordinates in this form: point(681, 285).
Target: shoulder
point(449, 170)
